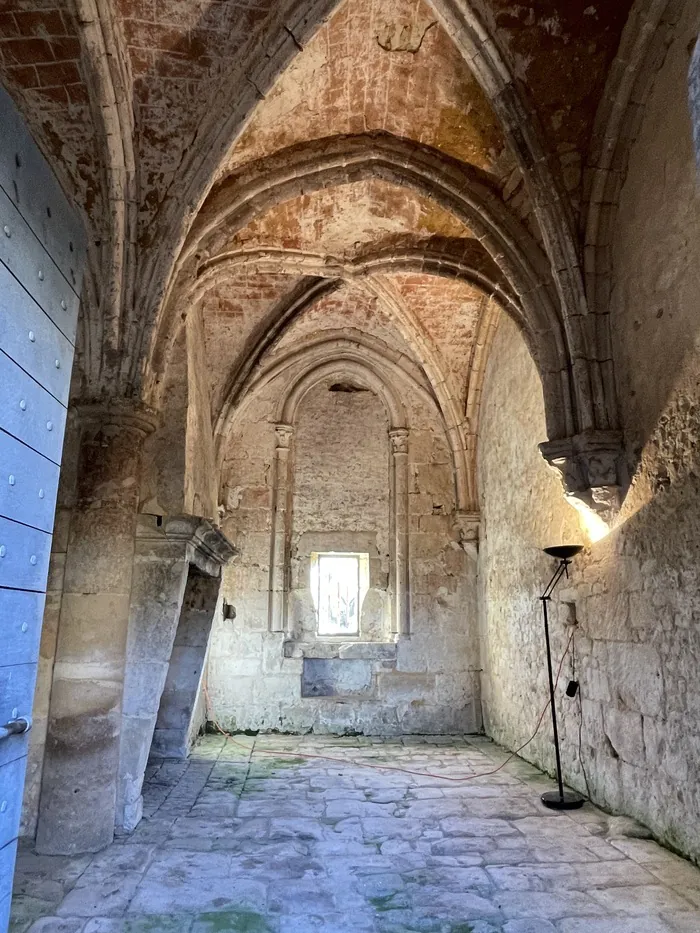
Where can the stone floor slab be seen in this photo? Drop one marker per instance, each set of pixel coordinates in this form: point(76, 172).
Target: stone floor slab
point(261, 839)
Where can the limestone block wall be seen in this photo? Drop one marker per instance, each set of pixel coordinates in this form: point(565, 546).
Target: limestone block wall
point(427, 682)
point(633, 735)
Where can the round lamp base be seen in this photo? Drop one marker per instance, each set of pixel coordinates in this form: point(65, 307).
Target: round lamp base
point(569, 801)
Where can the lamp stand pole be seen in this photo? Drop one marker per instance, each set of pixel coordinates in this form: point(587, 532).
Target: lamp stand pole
point(560, 799)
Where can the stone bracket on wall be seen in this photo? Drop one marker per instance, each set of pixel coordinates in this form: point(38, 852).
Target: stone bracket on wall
point(169, 553)
point(591, 468)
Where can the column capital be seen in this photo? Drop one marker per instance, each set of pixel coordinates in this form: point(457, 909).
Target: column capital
point(283, 435)
point(467, 525)
point(399, 440)
point(118, 412)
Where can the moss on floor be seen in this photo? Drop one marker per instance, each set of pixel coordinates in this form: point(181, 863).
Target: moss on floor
point(231, 921)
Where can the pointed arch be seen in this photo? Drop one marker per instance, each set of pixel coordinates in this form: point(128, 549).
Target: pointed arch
point(645, 40)
point(453, 259)
point(464, 20)
point(465, 191)
point(111, 253)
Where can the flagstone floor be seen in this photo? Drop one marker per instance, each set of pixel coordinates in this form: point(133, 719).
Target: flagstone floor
point(242, 840)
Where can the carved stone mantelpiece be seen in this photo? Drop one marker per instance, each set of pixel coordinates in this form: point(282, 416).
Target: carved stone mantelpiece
point(177, 574)
point(209, 547)
point(591, 469)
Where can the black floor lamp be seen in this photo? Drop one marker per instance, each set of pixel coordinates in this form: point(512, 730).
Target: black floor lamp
point(557, 799)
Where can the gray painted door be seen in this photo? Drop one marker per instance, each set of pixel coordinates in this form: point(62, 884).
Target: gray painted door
point(42, 252)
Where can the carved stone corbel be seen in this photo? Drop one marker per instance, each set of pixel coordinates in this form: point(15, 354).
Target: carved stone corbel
point(591, 468)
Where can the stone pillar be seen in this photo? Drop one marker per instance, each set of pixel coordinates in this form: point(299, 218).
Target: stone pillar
point(167, 553)
point(280, 535)
point(78, 796)
point(399, 543)
point(178, 722)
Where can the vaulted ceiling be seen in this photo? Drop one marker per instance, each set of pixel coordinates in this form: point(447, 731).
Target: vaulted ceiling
point(423, 159)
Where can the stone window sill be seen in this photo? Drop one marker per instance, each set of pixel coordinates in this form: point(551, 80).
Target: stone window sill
point(344, 650)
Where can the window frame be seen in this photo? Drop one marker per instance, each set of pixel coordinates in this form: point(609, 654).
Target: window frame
point(315, 581)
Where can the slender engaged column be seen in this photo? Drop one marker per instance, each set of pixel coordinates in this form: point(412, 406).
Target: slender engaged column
point(78, 798)
point(399, 457)
point(279, 542)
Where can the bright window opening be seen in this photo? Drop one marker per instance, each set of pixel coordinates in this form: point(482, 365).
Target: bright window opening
point(339, 583)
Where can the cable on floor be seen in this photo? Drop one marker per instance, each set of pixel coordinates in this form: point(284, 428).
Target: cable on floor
point(580, 711)
point(376, 767)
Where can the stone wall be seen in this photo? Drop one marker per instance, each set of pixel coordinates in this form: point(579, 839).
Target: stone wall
point(341, 500)
point(423, 683)
point(632, 736)
point(179, 475)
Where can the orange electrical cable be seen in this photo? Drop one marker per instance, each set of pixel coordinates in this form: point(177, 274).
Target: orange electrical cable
point(376, 767)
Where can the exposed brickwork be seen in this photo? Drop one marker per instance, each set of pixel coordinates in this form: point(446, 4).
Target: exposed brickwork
point(344, 220)
point(231, 313)
point(450, 312)
point(178, 49)
point(358, 73)
point(40, 58)
point(348, 307)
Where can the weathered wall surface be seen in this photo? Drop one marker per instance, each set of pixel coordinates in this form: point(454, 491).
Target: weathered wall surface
point(523, 511)
point(179, 475)
point(200, 471)
point(341, 500)
point(49, 631)
point(637, 646)
point(425, 683)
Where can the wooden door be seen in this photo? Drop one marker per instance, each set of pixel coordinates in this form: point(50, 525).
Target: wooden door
point(42, 251)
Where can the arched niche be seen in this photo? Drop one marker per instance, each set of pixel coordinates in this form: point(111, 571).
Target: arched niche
point(284, 498)
point(341, 505)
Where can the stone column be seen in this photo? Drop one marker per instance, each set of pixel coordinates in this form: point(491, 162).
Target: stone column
point(399, 485)
point(79, 783)
point(168, 551)
point(280, 535)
